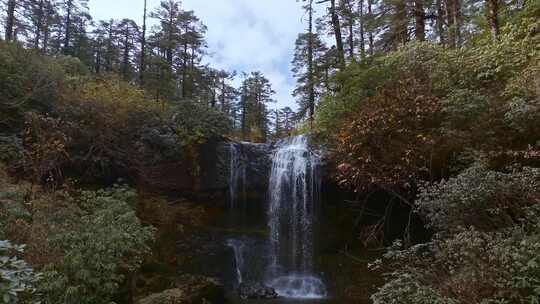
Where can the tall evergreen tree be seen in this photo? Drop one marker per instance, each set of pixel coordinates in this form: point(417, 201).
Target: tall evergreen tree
point(142, 60)
point(309, 68)
point(256, 94)
point(10, 20)
point(75, 17)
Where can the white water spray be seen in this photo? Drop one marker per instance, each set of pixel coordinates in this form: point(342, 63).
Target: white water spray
point(238, 249)
point(294, 194)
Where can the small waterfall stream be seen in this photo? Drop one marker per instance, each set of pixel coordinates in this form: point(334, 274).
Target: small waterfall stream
point(294, 195)
point(237, 175)
point(283, 260)
point(238, 247)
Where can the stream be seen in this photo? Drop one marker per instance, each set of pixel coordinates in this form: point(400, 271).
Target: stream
point(277, 238)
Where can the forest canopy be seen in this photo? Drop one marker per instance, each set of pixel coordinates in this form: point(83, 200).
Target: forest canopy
point(433, 106)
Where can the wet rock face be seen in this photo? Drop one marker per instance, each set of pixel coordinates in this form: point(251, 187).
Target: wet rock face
point(190, 290)
point(253, 290)
point(251, 162)
point(210, 175)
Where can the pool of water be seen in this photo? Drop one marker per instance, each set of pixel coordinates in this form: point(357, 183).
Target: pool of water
point(285, 301)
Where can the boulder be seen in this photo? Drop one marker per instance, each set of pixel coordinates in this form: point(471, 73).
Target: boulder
point(253, 290)
point(254, 160)
point(190, 289)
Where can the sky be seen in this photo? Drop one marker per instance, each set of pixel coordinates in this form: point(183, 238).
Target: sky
point(243, 35)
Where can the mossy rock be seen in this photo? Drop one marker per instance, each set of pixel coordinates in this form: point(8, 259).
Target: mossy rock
point(171, 296)
point(190, 290)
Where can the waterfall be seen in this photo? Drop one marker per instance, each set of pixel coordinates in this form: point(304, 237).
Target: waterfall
point(238, 249)
point(237, 173)
point(294, 194)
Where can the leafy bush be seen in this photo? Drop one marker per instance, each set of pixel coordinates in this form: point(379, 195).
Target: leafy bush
point(17, 279)
point(106, 129)
point(29, 83)
point(411, 114)
point(486, 248)
point(92, 128)
point(102, 242)
point(10, 150)
point(485, 200)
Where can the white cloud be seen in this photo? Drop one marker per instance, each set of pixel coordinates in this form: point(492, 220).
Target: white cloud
point(243, 35)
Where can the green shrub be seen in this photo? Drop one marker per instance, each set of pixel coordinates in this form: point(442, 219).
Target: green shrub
point(28, 83)
point(10, 150)
point(17, 279)
point(106, 129)
point(102, 242)
point(487, 245)
point(411, 114)
point(485, 200)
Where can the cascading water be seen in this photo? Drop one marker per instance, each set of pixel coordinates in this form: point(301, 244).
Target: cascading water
point(238, 249)
point(294, 194)
point(237, 173)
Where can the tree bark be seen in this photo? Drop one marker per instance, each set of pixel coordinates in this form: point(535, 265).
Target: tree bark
point(10, 21)
point(439, 22)
point(458, 22)
point(142, 66)
point(39, 23)
point(311, 82)
point(336, 24)
point(46, 31)
point(170, 43)
point(420, 20)
point(492, 15)
point(125, 66)
point(109, 62)
point(371, 40)
point(362, 30)
point(400, 23)
point(350, 27)
point(67, 37)
point(450, 21)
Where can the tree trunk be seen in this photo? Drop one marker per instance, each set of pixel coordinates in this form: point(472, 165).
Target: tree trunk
point(311, 81)
point(450, 9)
point(362, 30)
point(371, 40)
point(125, 67)
point(97, 66)
point(142, 66)
point(350, 27)
point(213, 101)
point(10, 21)
point(184, 69)
point(420, 20)
point(492, 15)
point(458, 22)
point(439, 22)
point(170, 43)
point(222, 97)
point(67, 37)
point(110, 47)
point(400, 23)
point(244, 117)
point(39, 23)
point(46, 31)
point(336, 24)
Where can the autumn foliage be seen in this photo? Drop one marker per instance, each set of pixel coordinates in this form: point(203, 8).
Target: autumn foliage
point(425, 112)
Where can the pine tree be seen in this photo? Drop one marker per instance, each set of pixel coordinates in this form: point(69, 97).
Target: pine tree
point(256, 94)
point(128, 30)
point(10, 20)
point(336, 27)
point(309, 68)
point(75, 17)
point(142, 60)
